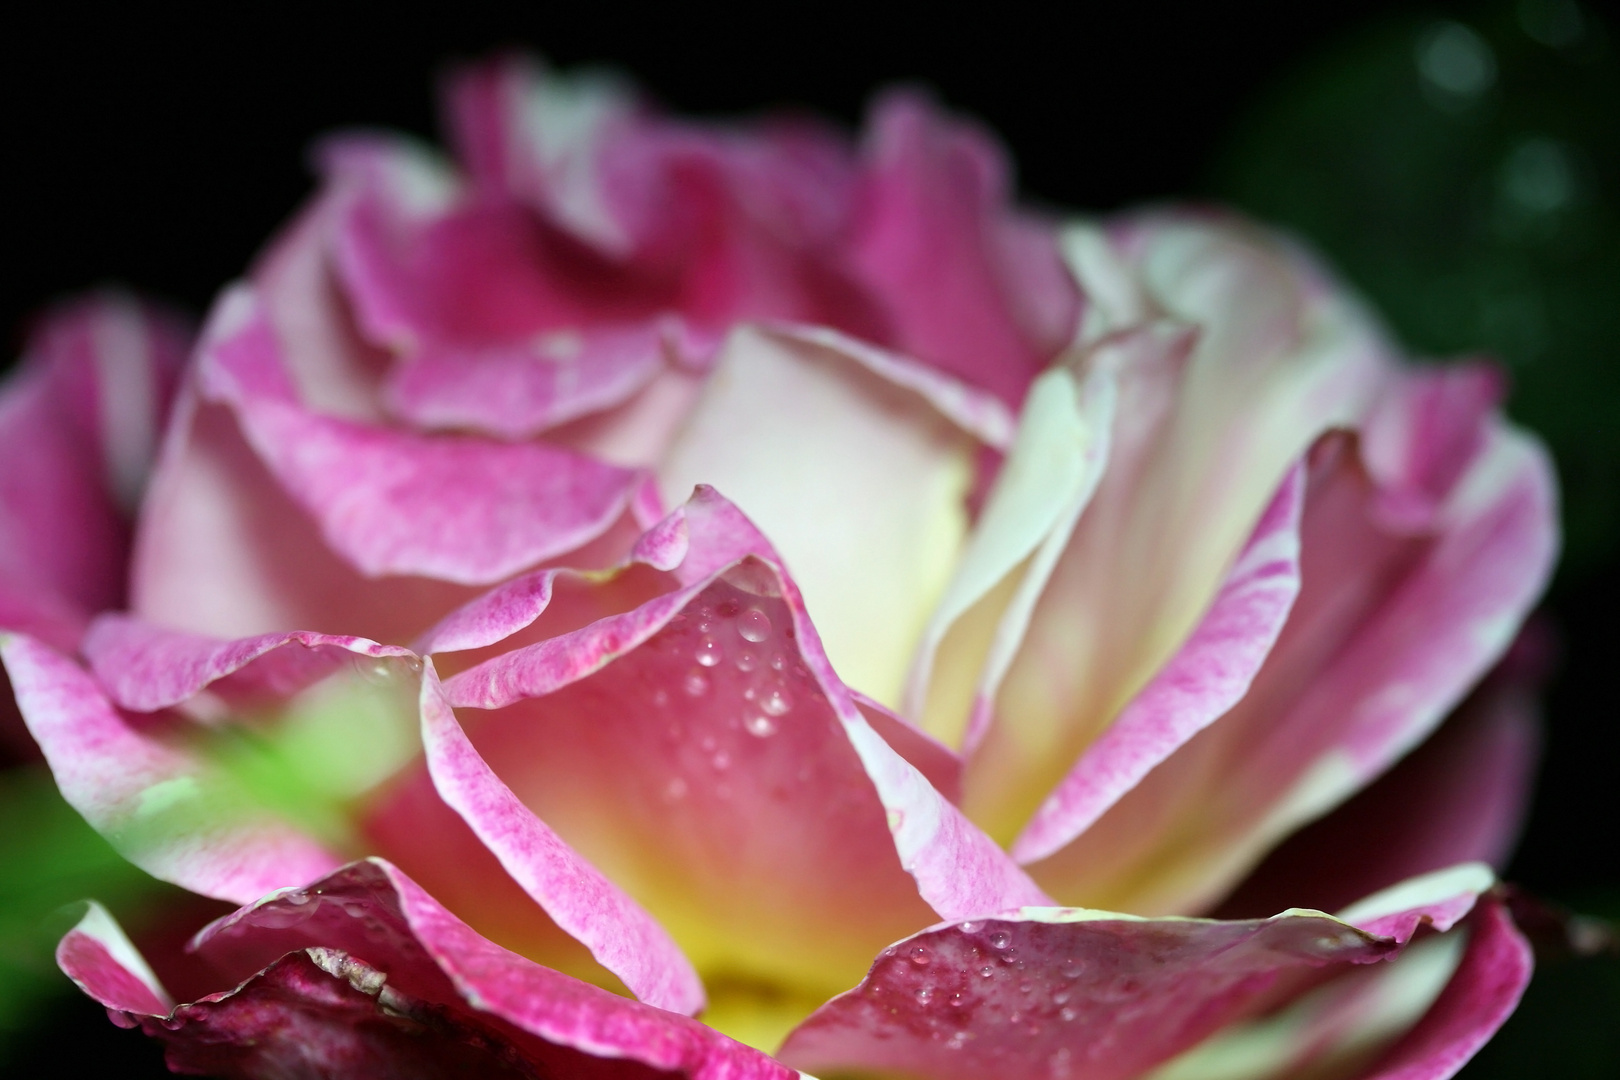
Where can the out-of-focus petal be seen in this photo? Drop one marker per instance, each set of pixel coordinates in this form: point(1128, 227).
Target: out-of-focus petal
point(1395, 621)
point(966, 283)
point(1207, 429)
point(1459, 797)
point(160, 804)
point(268, 517)
point(1073, 992)
point(860, 483)
point(700, 750)
point(363, 972)
point(79, 425)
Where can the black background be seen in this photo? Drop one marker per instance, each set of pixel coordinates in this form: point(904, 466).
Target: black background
point(160, 148)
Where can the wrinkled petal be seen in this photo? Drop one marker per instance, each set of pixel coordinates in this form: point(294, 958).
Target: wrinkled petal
point(1208, 425)
point(1390, 630)
point(363, 972)
point(1073, 992)
point(146, 668)
point(965, 282)
point(860, 483)
point(157, 802)
point(1206, 677)
point(700, 750)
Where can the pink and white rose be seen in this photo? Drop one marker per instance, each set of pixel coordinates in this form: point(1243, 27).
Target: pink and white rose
point(647, 570)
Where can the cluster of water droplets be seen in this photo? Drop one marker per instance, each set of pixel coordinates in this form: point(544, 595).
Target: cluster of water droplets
point(742, 683)
point(972, 984)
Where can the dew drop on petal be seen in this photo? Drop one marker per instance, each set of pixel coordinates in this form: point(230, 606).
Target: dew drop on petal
point(923, 995)
point(760, 726)
point(754, 625)
point(921, 956)
point(969, 927)
point(776, 702)
point(709, 652)
point(696, 684)
point(747, 660)
point(721, 761)
point(986, 972)
point(1000, 939)
point(1067, 1013)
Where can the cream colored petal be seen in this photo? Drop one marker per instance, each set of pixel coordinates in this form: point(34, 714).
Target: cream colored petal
point(860, 483)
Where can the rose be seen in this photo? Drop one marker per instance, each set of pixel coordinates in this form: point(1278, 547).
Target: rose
point(1231, 563)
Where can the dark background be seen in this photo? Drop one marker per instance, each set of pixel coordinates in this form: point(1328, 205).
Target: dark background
point(159, 149)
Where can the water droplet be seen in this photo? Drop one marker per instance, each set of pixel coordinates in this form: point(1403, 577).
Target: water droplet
point(1060, 998)
point(957, 1041)
point(1072, 969)
point(969, 927)
point(986, 972)
point(779, 662)
point(697, 683)
point(661, 697)
point(721, 761)
point(776, 701)
point(1067, 1013)
point(297, 898)
point(958, 998)
point(747, 660)
point(1000, 939)
point(923, 995)
point(675, 790)
point(760, 726)
point(709, 652)
point(921, 956)
point(754, 625)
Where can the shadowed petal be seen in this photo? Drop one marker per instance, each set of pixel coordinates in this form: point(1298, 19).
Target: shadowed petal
point(363, 973)
point(1060, 992)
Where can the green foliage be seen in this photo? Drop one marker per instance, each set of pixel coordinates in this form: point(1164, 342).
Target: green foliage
point(1465, 174)
point(49, 858)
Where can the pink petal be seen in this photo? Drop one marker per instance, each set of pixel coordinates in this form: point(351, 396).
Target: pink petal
point(1243, 359)
point(146, 668)
point(754, 828)
point(965, 283)
point(455, 508)
point(363, 973)
point(155, 802)
point(622, 937)
point(861, 484)
point(1480, 997)
point(1205, 678)
point(1070, 992)
point(78, 430)
point(1390, 631)
point(1459, 797)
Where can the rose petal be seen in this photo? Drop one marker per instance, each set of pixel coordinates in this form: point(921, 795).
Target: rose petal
point(363, 972)
point(1209, 425)
point(146, 668)
point(159, 804)
point(1062, 991)
point(747, 826)
point(1460, 796)
point(1039, 493)
point(861, 484)
point(622, 936)
point(1390, 630)
point(1205, 678)
point(965, 282)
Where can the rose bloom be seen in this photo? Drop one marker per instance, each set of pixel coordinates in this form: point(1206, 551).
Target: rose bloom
point(652, 598)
